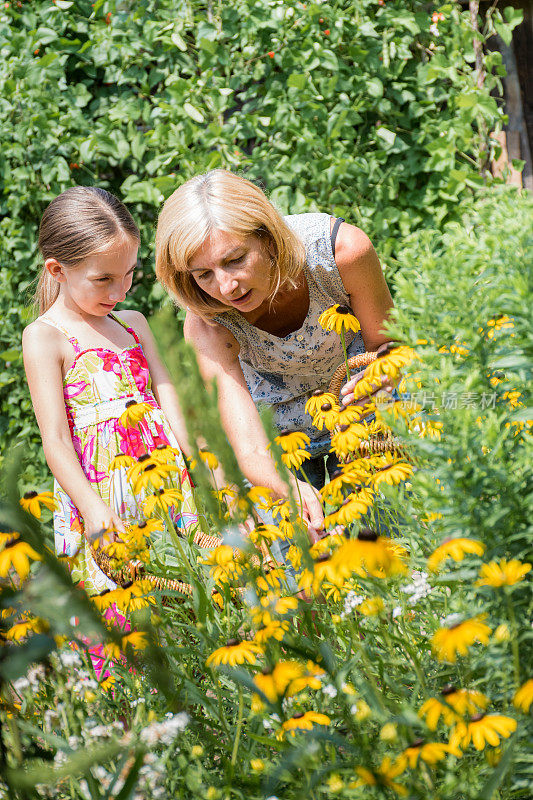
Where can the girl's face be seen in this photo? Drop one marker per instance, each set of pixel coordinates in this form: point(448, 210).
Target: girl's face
point(99, 282)
point(235, 271)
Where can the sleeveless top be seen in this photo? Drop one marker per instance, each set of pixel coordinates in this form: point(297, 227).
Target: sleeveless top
point(282, 371)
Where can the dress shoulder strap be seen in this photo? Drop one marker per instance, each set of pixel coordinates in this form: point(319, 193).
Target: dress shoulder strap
point(126, 326)
point(60, 327)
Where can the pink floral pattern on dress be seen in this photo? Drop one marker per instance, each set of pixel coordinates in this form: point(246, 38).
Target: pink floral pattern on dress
point(96, 390)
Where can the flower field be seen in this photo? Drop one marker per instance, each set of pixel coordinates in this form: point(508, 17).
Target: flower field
point(392, 658)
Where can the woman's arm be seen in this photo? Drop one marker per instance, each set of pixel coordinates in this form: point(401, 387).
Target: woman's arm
point(162, 385)
point(369, 294)
point(41, 346)
point(218, 357)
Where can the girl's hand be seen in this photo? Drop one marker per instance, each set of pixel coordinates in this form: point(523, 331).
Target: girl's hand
point(102, 523)
point(382, 384)
point(312, 511)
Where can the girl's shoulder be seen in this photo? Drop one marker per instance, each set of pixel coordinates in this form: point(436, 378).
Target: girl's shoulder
point(41, 335)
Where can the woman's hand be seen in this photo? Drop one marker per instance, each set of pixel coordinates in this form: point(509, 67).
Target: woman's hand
point(380, 384)
point(102, 523)
point(311, 509)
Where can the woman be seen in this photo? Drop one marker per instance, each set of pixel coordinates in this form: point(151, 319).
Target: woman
point(254, 284)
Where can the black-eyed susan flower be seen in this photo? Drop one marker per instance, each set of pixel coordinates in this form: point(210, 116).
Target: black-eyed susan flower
point(274, 682)
point(136, 535)
point(8, 537)
point(430, 752)
point(447, 642)
point(153, 476)
point(369, 553)
point(502, 573)
point(209, 459)
point(302, 722)
point(235, 651)
point(389, 363)
point(317, 400)
point(371, 607)
point(339, 319)
point(275, 629)
point(32, 502)
point(133, 413)
point(130, 597)
point(122, 461)
point(464, 701)
point(116, 550)
point(482, 729)
point(295, 459)
point(354, 506)
point(327, 415)
point(137, 640)
point(17, 555)
point(392, 473)
point(22, 628)
point(224, 565)
point(163, 500)
point(260, 496)
point(348, 438)
point(137, 467)
point(455, 549)
point(164, 454)
point(349, 414)
point(289, 441)
point(524, 696)
point(271, 580)
point(311, 678)
point(265, 534)
point(383, 776)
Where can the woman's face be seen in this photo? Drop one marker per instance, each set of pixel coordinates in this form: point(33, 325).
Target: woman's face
point(235, 271)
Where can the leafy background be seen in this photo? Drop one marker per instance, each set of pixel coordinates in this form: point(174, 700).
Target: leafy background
point(368, 110)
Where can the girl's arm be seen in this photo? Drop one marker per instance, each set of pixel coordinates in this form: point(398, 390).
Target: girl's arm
point(217, 351)
point(369, 294)
point(41, 347)
point(162, 386)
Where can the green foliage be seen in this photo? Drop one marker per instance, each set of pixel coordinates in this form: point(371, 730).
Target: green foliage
point(352, 107)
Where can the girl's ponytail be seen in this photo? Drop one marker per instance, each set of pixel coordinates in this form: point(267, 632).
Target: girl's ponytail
point(78, 223)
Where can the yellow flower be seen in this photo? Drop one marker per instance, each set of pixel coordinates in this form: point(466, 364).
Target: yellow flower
point(122, 460)
point(272, 580)
point(502, 632)
point(464, 701)
point(504, 573)
point(390, 363)
point(265, 533)
point(130, 597)
point(295, 458)
point(8, 538)
point(524, 696)
point(456, 549)
point(349, 414)
point(137, 536)
point(383, 776)
point(333, 492)
point(275, 629)
point(302, 722)
point(134, 413)
point(327, 415)
point(335, 783)
point(456, 639)
point(430, 752)
point(348, 438)
point(274, 683)
point(234, 652)
point(294, 554)
point(317, 400)
point(389, 732)
point(368, 553)
point(209, 459)
point(163, 499)
point(224, 567)
point(362, 711)
point(353, 506)
point(339, 319)
point(164, 454)
point(260, 496)
point(311, 678)
point(371, 606)
point(18, 555)
point(137, 467)
point(116, 550)
point(482, 729)
point(21, 629)
point(257, 764)
point(32, 502)
point(137, 640)
point(292, 441)
point(393, 473)
point(153, 475)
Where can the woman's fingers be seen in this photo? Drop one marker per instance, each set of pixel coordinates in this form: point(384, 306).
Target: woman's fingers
point(312, 506)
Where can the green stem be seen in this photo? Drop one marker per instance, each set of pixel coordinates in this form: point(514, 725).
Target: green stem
point(514, 639)
point(343, 343)
point(237, 729)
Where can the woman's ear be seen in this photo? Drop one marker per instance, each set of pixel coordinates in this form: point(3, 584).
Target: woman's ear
point(55, 269)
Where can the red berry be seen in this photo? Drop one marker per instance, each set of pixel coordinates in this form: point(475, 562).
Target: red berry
point(321, 20)
point(326, 32)
point(271, 53)
point(36, 50)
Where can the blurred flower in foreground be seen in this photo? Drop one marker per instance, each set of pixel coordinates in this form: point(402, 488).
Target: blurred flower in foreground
point(234, 652)
point(292, 441)
point(339, 319)
point(524, 697)
point(430, 752)
point(392, 473)
point(383, 777)
point(368, 553)
point(302, 722)
point(17, 554)
point(502, 573)
point(163, 499)
point(295, 458)
point(456, 549)
point(455, 704)
point(32, 502)
point(456, 639)
point(482, 729)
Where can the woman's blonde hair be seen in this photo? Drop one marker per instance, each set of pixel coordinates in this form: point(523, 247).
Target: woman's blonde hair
point(219, 200)
point(78, 223)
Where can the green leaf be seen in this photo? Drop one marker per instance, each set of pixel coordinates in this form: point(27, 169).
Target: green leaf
point(10, 355)
point(179, 42)
point(297, 80)
point(193, 112)
point(385, 134)
point(494, 781)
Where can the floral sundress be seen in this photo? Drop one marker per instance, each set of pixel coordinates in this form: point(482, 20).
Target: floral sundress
point(96, 389)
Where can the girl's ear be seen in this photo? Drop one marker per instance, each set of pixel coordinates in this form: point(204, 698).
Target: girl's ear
point(55, 269)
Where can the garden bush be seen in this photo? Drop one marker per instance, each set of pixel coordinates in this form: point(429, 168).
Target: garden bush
point(405, 670)
point(369, 109)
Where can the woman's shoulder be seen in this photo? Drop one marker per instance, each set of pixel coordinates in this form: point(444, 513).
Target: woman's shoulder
point(310, 225)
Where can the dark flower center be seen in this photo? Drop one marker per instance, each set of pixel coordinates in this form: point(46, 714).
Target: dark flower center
point(131, 403)
point(285, 433)
point(127, 584)
point(142, 524)
point(105, 591)
point(149, 467)
point(323, 557)
point(417, 743)
point(30, 495)
point(266, 671)
point(343, 428)
point(233, 642)
point(447, 689)
point(344, 310)
point(477, 717)
point(325, 407)
point(383, 349)
point(367, 535)
point(144, 457)
point(337, 474)
point(161, 447)
point(317, 393)
point(298, 715)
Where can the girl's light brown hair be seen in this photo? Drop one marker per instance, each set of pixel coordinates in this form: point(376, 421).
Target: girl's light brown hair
point(219, 200)
point(78, 223)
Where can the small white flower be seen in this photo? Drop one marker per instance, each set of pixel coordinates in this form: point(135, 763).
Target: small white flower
point(451, 619)
point(330, 690)
point(396, 611)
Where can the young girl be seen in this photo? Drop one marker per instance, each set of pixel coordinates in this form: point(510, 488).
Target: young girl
point(86, 366)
